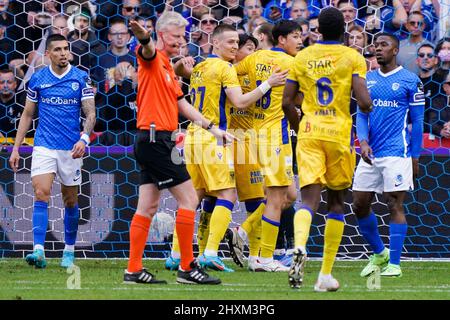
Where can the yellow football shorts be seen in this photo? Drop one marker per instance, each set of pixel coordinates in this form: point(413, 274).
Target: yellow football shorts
point(249, 178)
point(210, 166)
point(323, 162)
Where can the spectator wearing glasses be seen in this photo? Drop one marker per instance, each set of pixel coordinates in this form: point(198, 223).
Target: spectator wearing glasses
point(314, 34)
point(130, 8)
point(201, 48)
point(430, 11)
point(426, 62)
point(118, 37)
point(408, 47)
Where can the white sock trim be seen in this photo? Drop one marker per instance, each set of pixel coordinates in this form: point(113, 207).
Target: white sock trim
point(69, 247)
point(210, 253)
point(38, 247)
point(175, 254)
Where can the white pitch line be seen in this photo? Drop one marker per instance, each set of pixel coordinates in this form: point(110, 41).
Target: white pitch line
point(243, 285)
point(189, 289)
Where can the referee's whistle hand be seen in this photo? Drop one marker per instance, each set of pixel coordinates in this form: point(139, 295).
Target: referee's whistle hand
point(14, 160)
point(78, 149)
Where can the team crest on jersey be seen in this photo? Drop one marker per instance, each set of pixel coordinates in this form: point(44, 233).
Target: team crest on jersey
point(167, 77)
point(278, 150)
point(219, 155)
point(75, 86)
point(395, 86)
point(398, 180)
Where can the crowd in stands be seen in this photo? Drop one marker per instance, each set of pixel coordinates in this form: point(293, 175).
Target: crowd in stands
point(102, 44)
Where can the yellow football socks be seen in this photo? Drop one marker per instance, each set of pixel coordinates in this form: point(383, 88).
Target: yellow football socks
point(302, 224)
point(334, 228)
point(269, 235)
point(220, 219)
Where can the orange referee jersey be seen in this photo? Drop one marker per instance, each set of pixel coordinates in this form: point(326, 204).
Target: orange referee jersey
point(158, 93)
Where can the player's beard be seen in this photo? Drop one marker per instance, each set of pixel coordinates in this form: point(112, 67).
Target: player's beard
point(63, 64)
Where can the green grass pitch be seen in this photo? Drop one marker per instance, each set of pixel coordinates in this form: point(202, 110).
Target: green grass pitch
point(102, 279)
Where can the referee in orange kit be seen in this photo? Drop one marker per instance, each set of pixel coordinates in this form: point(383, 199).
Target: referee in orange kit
point(159, 99)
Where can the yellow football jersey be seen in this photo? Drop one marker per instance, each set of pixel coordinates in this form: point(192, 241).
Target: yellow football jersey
point(268, 111)
point(209, 80)
point(324, 73)
point(241, 118)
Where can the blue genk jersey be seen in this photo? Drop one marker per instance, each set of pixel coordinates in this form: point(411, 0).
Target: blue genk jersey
point(58, 98)
point(393, 95)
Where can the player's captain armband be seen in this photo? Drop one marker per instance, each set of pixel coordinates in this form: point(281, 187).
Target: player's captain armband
point(87, 92)
point(419, 97)
point(32, 95)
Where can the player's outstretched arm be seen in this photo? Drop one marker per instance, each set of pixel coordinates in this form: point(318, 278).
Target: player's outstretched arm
point(361, 94)
point(144, 38)
point(242, 101)
point(187, 110)
point(290, 98)
point(24, 125)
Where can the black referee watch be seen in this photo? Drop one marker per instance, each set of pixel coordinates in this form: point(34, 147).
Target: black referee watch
point(210, 126)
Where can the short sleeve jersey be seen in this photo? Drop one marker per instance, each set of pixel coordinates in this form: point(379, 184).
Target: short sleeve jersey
point(58, 99)
point(324, 73)
point(158, 93)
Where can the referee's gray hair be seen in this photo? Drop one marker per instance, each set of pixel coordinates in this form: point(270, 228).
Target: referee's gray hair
point(170, 18)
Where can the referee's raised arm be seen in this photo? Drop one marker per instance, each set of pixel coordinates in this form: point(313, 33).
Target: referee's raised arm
point(148, 47)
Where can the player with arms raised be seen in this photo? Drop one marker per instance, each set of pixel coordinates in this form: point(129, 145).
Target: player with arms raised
point(389, 152)
point(325, 74)
point(59, 91)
